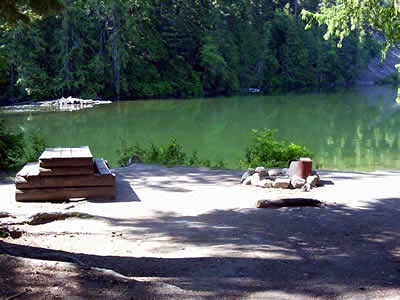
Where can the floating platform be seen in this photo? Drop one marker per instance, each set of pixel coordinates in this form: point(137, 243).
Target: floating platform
point(65, 173)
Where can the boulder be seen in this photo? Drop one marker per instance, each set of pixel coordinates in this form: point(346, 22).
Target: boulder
point(281, 183)
point(261, 171)
point(255, 179)
point(293, 166)
point(276, 172)
point(246, 175)
point(306, 187)
point(266, 183)
point(313, 180)
point(247, 181)
point(297, 182)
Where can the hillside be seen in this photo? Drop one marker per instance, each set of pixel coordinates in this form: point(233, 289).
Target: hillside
point(378, 70)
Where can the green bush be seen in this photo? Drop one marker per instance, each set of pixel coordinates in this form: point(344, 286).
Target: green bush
point(35, 144)
point(170, 154)
point(265, 150)
point(11, 147)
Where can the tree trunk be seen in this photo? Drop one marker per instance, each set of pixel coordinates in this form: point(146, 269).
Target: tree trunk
point(66, 88)
point(12, 80)
point(295, 9)
point(115, 55)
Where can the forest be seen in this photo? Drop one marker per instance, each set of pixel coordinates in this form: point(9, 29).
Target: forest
point(174, 48)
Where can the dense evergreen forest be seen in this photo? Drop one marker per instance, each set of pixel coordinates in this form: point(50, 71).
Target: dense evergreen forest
point(174, 48)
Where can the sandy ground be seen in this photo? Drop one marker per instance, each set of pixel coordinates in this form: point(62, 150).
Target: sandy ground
point(193, 233)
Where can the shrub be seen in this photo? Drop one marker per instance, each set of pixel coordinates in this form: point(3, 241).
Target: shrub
point(170, 154)
point(35, 145)
point(265, 150)
point(11, 147)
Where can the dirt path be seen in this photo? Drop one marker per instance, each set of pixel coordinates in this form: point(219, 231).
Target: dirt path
point(186, 233)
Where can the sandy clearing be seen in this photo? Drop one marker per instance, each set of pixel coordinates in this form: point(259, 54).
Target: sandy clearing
point(198, 230)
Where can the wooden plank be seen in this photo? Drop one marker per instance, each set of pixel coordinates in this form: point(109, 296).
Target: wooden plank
point(64, 181)
point(63, 157)
point(66, 162)
point(101, 166)
point(33, 169)
point(62, 194)
point(63, 171)
point(30, 169)
point(77, 152)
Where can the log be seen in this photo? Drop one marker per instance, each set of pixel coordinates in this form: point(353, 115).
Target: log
point(288, 202)
point(64, 181)
point(65, 193)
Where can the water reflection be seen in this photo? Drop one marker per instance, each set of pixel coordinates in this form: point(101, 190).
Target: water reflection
point(357, 129)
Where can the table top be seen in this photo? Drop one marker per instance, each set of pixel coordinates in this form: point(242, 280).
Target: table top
point(65, 153)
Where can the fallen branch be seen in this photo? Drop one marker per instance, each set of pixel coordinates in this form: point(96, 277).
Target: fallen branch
point(288, 202)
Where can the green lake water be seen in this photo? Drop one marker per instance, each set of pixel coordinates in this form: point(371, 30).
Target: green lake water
point(350, 130)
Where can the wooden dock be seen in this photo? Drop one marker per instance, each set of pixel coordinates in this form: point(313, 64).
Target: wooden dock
point(65, 173)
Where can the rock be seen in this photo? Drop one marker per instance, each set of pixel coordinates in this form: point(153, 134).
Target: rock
point(246, 175)
point(261, 171)
point(313, 180)
point(297, 182)
point(276, 172)
point(15, 233)
point(247, 181)
point(265, 183)
point(255, 179)
point(6, 232)
point(293, 166)
point(306, 187)
point(281, 183)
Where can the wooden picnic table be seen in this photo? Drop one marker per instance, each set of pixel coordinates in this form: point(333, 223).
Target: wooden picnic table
point(65, 173)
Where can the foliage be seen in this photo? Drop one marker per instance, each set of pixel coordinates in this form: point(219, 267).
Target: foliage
point(146, 49)
point(265, 150)
point(35, 144)
point(11, 147)
point(170, 154)
point(12, 11)
point(18, 148)
point(349, 15)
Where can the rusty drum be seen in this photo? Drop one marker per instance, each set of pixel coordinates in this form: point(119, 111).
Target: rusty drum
point(301, 168)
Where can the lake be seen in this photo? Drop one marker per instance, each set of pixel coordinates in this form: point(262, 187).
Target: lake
point(357, 129)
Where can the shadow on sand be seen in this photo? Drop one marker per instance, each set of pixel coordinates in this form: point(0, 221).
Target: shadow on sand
point(318, 252)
